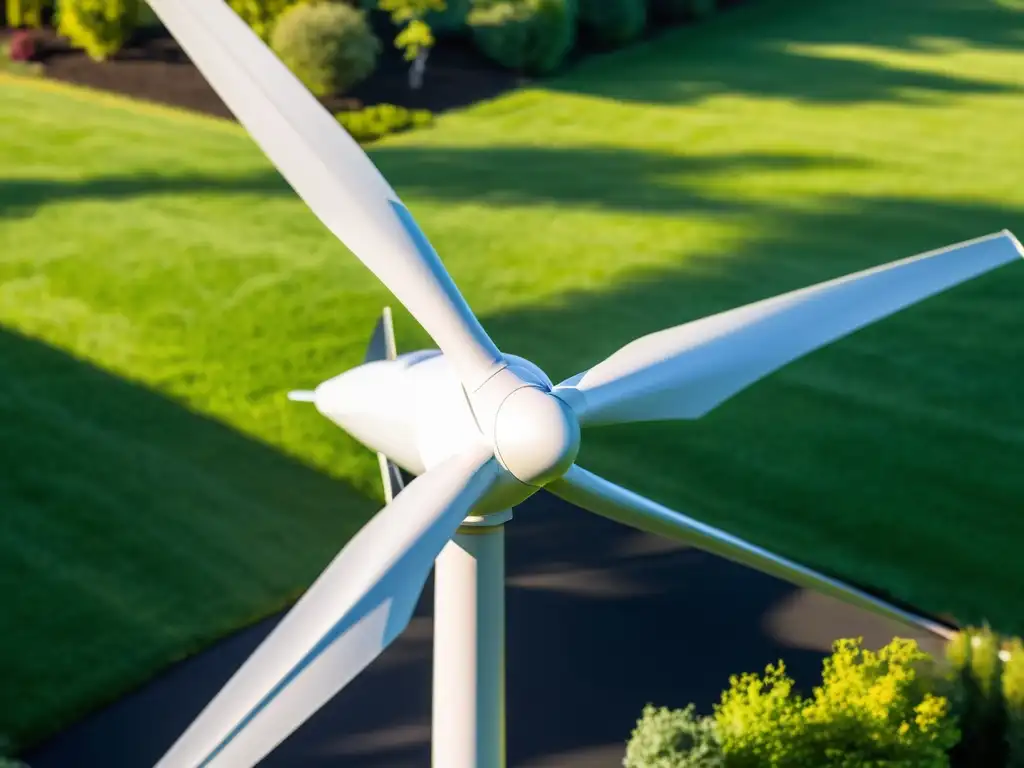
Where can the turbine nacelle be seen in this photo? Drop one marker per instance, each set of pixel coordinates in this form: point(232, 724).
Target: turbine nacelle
point(414, 410)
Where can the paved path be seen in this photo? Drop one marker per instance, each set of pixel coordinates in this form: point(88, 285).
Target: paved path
point(601, 620)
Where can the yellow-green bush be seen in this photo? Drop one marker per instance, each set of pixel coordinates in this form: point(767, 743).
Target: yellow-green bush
point(261, 15)
point(613, 22)
point(374, 122)
point(531, 36)
point(872, 709)
point(667, 738)
point(1013, 696)
point(99, 27)
point(25, 13)
point(977, 697)
point(329, 46)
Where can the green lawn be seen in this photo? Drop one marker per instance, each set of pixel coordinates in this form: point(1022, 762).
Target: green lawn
point(161, 289)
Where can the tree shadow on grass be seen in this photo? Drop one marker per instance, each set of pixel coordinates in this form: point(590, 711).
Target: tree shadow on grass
point(755, 50)
point(122, 512)
point(22, 197)
point(608, 179)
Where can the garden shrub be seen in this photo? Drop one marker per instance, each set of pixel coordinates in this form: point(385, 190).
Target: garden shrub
point(871, 709)
point(665, 738)
point(977, 697)
point(329, 46)
point(613, 22)
point(374, 122)
point(262, 15)
point(25, 13)
point(531, 36)
point(99, 27)
point(452, 19)
point(21, 46)
point(1013, 696)
point(680, 10)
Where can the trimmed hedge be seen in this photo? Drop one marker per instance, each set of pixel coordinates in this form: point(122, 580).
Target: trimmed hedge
point(375, 122)
point(328, 46)
point(530, 36)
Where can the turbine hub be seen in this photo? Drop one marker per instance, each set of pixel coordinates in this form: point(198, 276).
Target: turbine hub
point(536, 436)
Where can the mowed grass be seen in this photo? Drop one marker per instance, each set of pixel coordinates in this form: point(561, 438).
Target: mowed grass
point(161, 289)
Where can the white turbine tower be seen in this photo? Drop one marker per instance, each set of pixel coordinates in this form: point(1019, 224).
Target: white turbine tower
point(482, 430)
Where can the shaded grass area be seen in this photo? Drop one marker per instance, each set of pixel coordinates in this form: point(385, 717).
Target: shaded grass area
point(776, 146)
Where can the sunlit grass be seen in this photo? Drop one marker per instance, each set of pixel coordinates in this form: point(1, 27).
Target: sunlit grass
point(778, 145)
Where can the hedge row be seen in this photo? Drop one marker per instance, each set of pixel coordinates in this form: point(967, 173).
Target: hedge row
point(331, 47)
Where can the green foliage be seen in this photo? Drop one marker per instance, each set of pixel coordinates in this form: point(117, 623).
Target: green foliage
point(666, 738)
point(678, 10)
point(415, 35)
point(99, 27)
point(977, 697)
point(532, 36)
point(872, 708)
point(1013, 696)
point(329, 46)
point(374, 122)
point(613, 22)
point(452, 18)
point(262, 15)
point(25, 13)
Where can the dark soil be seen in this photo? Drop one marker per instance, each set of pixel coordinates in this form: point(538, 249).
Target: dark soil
point(153, 67)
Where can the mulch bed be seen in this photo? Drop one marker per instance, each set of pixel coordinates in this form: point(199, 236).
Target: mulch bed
point(154, 68)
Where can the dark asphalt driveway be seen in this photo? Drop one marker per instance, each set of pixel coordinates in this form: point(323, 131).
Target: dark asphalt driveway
point(601, 620)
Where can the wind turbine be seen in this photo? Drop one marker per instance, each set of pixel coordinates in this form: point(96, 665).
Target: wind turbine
point(483, 431)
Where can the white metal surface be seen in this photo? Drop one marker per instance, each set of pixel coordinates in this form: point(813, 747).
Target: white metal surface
point(354, 610)
point(469, 648)
point(684, 372)
point(331, 173)
point(604, 498)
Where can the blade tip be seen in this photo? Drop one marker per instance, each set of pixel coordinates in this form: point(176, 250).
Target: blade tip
point(302, 396)
point(1014, 241)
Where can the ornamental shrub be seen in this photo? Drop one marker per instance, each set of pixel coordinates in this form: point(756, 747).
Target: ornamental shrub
point(531, 36)
point(25, 13)
point(613, 22)
point(99, 27)
point(380, 120)
point(977, 697)
point(665, 738)
point(1013, 696)
point(328, 46)
point(262, 15)
point(22, 46)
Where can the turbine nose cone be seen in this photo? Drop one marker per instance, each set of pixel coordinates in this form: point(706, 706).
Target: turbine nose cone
point(536, 436)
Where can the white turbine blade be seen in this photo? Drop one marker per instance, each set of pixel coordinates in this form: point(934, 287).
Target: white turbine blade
point(353, 611)
point(302, 396)
point(587, 490)
point(684, 372)
point(330, 172)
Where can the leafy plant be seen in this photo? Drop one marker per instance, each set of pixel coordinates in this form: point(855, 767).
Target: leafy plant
point(262, 15)
point(871, 709)
point(1013, 696)
point(665, 738)
point(415, 37)
point(678, 10)
point(25, 13)
point(374, 122)
point(977, 697)
point(613, 22)
point(99, 27)
point(532, 36)
point(329, 46)
point(22, 46)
